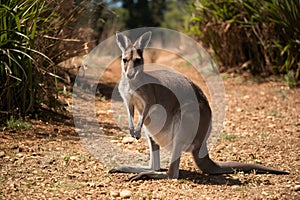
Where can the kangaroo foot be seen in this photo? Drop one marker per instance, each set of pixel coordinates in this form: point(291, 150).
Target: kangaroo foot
point(149, 175)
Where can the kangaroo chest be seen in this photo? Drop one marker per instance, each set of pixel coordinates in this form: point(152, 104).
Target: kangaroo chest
point(132, 94)
point(125, 90)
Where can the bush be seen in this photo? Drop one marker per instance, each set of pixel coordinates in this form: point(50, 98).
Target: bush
point(262, 34)
point(20, 23)
point(13, 123)
point(35, 35)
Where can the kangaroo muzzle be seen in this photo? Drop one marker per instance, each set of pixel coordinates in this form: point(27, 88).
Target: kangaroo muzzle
point(130, 73)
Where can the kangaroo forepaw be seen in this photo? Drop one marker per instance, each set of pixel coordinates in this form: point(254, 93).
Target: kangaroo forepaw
point(132, 132)
point(135, 133)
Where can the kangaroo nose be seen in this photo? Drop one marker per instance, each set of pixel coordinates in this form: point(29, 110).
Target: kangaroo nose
point(130, 73)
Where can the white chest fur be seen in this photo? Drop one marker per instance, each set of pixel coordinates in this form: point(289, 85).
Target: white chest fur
point(125, 89)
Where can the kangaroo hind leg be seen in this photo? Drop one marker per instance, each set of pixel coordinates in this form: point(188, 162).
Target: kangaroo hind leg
point(172, 173)
point(154, 164)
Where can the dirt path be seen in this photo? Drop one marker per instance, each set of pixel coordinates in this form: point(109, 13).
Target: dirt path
point(262, 126)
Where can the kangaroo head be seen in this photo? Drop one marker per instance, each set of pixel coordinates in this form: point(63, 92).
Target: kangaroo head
point(132, 53)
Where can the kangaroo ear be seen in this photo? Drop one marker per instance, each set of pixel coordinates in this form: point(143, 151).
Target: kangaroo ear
point(123, 41)
point(143, 41)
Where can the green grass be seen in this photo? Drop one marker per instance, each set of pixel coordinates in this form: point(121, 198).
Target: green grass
point(276, 114)
point(28, 79)
point(13, 123)
point(144, 196)
point(283, 94)
point(21, 22)
point(225, 76)
point(185, 65)
point(261, 135)
point(67, 158)
point(290, 79)
point(65, 92)
point(119, 136)
point(228, 136)
point(30, 184)
point(261, 32)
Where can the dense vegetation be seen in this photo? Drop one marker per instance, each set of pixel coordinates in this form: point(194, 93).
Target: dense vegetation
point(131, 14)
point(263, 36)
point(20, 71)
point(35, 35)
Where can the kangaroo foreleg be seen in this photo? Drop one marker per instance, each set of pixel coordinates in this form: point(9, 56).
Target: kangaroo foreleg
point(142, 116)
point(130, 116)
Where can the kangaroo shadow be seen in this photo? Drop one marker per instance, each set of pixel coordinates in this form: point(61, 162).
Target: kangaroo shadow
point(203, 179)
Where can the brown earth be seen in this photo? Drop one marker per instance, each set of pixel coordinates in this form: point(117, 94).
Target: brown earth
point(262, 126)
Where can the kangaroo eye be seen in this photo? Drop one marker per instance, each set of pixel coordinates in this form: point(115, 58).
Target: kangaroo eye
point(138, 60)
point(125, 60)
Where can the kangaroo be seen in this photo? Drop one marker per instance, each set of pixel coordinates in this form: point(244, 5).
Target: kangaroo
point(147, 91)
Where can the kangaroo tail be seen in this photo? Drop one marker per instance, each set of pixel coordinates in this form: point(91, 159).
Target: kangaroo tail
point(211, 167)
point(245, 167)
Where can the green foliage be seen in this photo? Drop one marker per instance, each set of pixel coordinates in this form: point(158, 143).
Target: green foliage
point(276, 114)
point(175, 15)
point(67, 158)
point(20, 23)
point(35, 34)
point(264, 34)
point(289, 78)
point(144, 13)
point(141, 13)
point(228, 136)
point(13, 123)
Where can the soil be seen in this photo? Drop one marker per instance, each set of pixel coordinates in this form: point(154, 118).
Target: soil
point(49, 160)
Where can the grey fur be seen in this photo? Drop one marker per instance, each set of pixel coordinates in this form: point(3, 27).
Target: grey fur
point(183, 123)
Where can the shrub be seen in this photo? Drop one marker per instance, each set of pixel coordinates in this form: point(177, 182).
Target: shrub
point(34, 36)
point(13, 123)
point(20, 23)
point(263, 34)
